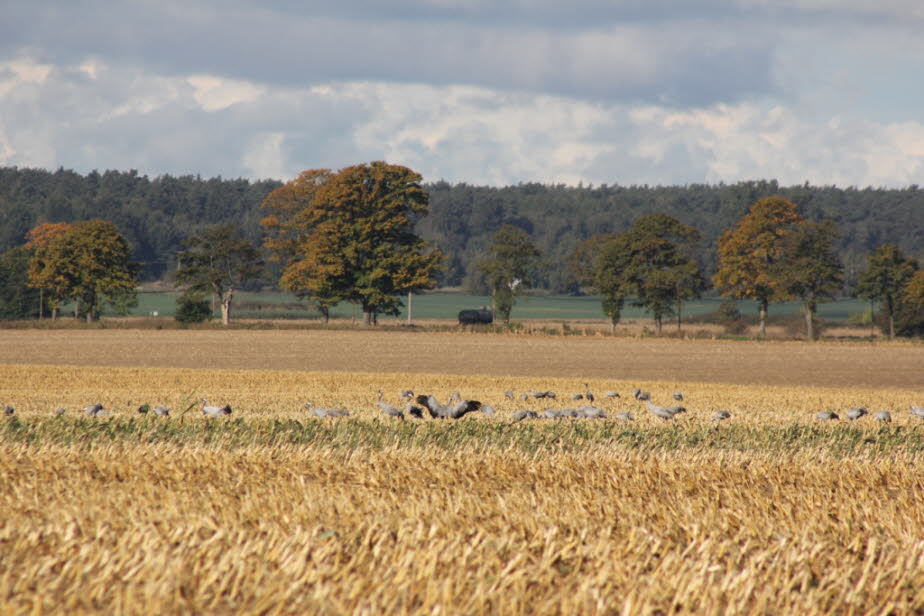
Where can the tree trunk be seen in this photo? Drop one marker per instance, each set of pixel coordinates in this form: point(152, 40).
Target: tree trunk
point(612, 326)
point(658, 324)
point(77, 308)
point(810, 321)
point(891, 327)
point(367, 317)
point(325, 314)
point(41, 298)
point(763, 318)
point(54, 312)
point(226, 298)
point(679, 318)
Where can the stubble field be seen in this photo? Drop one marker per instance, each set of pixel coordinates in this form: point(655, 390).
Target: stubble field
point(272, 511)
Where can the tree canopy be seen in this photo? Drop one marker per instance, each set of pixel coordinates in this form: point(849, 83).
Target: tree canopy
point(219, 260)
point(748, 254)
point(809, 269)
point(350, 236)
point(652, 262)
point(90, 262)
point(885, 278)
point(508, 266)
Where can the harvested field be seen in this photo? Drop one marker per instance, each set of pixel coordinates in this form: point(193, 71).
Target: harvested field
point(828, 364)
point(272, 511)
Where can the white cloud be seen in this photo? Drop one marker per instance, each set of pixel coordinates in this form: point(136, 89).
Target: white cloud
point(215, 93)
point(265, 156)
point(56, 116)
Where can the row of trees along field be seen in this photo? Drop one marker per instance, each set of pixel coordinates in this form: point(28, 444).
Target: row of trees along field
point(354, 235)
point(158, 215)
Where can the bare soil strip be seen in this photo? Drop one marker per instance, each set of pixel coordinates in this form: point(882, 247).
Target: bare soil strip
point(869, 365)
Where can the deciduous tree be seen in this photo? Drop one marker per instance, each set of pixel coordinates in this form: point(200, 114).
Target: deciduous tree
point(350, 236)
point(508, 267)
point(48, 281)
point(91, 263)
point(885, 278)
point(748, 254)
point(219, 260)
point(652, 262)
point(810, 269)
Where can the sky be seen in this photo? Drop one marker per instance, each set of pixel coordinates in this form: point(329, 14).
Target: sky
point(571, 91)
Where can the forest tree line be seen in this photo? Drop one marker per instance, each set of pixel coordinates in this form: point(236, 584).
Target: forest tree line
point(159, 215)
point(351, 236)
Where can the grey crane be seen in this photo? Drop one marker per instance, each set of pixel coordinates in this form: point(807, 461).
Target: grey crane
point(454, 410)
point(407, 394)
point(8, 410)
point(161, 411)
point(487, 410)
point(508, 395)
point(917, 411)
point(641, 395)
point(214, 411)
point(413, 410)
point(588, 395)
point(60, 411)
point(144, 408)
point(554, 414)
point(591, 412)
point(322, 413)
point(664, 412)
point(856, 413)
point(524, 396)
point(577, 397)
point(525, 414)
point(612, 394)
point(678, 396)
point(625, 416)
point(388, 409)
point(94, 409)
point(826, 416)
point(883, 416)
point(721, 416)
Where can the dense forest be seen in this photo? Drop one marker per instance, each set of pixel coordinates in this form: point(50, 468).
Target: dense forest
point(158, 214)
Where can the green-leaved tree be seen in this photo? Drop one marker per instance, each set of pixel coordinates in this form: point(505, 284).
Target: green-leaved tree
point(651, 261)
point(810, 269)
point(508, 267)
point(885, 278)
point(218, 260)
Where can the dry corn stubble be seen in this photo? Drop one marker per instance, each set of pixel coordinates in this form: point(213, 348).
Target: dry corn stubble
point(461, 524)
point(287, 530)
point(39, 390)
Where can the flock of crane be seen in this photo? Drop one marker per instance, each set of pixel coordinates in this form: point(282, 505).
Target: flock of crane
point(417, 407)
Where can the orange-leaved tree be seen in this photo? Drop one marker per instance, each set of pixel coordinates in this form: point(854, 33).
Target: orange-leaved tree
point(350, 236)
point(48, 280)
point(749, 253)
point(91, 263)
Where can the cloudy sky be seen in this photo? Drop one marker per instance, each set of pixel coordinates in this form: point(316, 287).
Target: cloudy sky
point(480, 91)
